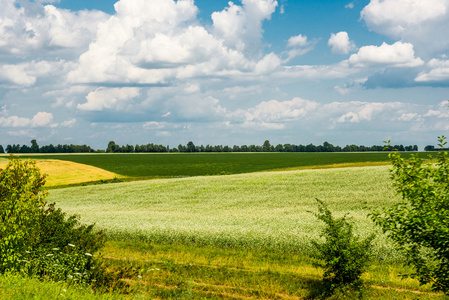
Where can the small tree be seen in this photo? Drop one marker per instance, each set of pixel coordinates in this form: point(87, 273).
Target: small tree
point(344, 257)
point(419, 222)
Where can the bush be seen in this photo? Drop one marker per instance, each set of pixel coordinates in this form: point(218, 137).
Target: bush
point(38, 239)
point(419, 222)
point(343, 257)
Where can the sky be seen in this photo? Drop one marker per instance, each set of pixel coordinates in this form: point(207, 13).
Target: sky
point(224, 73)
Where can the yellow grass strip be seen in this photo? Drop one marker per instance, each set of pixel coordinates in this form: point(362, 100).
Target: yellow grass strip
point(62, 172)
point(335, 166)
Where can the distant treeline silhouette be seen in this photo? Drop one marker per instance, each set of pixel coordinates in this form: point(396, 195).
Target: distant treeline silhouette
point(191, 147)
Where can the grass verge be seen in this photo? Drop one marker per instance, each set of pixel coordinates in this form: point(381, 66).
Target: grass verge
point(192, 272)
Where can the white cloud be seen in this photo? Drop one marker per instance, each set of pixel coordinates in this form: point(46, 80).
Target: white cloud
point(273, 114)
point(423, 23)
point(440, 112)
point(393, 17)
point(350, 5)
point(154, 125)
point(397, 55)
point(160, 41)
point(240, 27)
point(300, 44)
point(68, 123)
point(108, 98)
point(31, 27)
point(365, 111)
point(16, 75)
point(408, 117)
point(439, 71)
point(268, 64)
point(297, 41)
point(41, 119)
point(340, 43)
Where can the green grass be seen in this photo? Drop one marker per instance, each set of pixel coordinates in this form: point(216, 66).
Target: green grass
point(199, 164)
point(198, 272)
point(258, 211)
point(14, 287)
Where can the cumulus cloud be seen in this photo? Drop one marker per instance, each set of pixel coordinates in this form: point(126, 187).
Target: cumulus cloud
point(160, 42)
point(32, 27)
point(297, 41)
point(108, 98)
point(439, 71)
point(420, 22)
point(340, 43)
point(41, 119)
point(353, 116)
point(365, 111)
point(273, 114)
point(440, 112)
point(397, 55)
point(16, 75)
point(68, 123)
point(300, 45)
point(240, 27)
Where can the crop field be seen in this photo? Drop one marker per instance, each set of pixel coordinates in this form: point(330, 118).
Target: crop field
point(200, 164)
point(259, 210)
point(240, 236)
point(61, 172)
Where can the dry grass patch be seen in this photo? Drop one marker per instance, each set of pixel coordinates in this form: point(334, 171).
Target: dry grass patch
point(62, 172)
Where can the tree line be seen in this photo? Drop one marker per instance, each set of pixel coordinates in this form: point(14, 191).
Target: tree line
point(191, 147)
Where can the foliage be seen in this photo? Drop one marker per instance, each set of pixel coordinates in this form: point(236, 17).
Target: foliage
point(344, 257)
point(39, 239)
point(21, 199)
point(419, 223)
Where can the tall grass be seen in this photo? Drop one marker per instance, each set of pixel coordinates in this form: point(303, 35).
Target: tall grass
point(15, 287)
point(258, 210)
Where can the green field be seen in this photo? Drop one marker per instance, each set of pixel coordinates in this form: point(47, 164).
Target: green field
point(258, 210)
point(240, 236)
point(200, 164)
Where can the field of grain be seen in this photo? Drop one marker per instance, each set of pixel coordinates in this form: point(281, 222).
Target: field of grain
point(60, 172)
point(259, 210)
point(151, 165)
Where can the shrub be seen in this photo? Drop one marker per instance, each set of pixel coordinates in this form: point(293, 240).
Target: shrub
point(342, 255)
point(419, 222)
point(38, 239)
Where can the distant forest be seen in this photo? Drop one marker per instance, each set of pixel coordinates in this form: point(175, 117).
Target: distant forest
point(191, 147)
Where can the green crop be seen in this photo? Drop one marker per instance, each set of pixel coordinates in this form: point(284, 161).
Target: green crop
point(200, 164)
point(258, 210)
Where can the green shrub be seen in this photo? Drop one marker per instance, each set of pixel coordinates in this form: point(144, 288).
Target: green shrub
point(38, 239)
point(419, 223)
point(342, 255)
point(21, 202)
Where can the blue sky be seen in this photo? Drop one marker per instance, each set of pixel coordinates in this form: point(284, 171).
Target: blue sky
point(219, 72)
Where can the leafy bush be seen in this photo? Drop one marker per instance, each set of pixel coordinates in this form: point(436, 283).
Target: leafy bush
point(38, 239)
point(343, 257)
point(419, 223)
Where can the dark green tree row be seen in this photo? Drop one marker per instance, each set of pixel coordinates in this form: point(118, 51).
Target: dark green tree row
point(34, 148)
point(191, 147)
point(267, 147)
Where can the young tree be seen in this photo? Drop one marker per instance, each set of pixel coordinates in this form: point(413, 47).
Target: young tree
point(342, 255)
point(419, 222)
